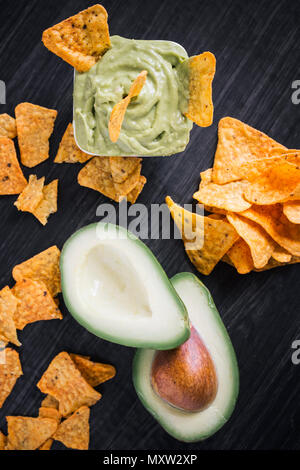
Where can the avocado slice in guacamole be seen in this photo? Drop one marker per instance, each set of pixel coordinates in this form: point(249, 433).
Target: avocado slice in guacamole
point(154, 124)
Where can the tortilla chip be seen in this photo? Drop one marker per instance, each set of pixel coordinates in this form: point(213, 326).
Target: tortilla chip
point(52, 413)
point(8, 306)
point(119, 110)
point(36, 303)
point(68, 151)
point(136, 191)
point(122, 167)
point(238, 143)
point(272, 219)
point(256, 168)
point(42, 267)
point(2, 441)
point(7, 126)
point(240, 257)
point(96, 175)
point(227, 196)
point(47, 445)
point(48, 204)
point(34, 125)
point(31, 195)
point(50, 402)
point(81, 39)
point(95, 373)
point(12, 180)
point(274, 263)
point(64, 382)
point(74, 432)
point(10, 371)
point(260, 243)
point(279, 184)
point(122, 189)
point(281, 255)
point(201, 74)
point(217, 236)
point(28, 433)
point(291, 210)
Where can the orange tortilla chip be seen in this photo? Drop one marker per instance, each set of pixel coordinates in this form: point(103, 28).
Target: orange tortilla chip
point(272, 219)
point(48, 205)
point(136, 191)
point(12, 180)
point(36, 303)
point(279, 184)
point(81, 39)
point(291, 210)
point(217, 236)
point(95, 373)
point(238, 143)
point(10, 371)
point(96, 175)
point(274, 263)
point(34, 125)
point(31, 195)
point(227, 196)
point(74, 432)
point(260, 243)
point(201, 74)
point(68, 151)
point(122, 189)
point(256, 168)
point(281, 255)
point(8, 306)
point(28, 433)
point(122, 167)
point(240, 257)
point(52, 413)
point(63, 381)
point(119, 110)
point(7, 126)
point(2, 441)
point(49, 402)
point(42, 267)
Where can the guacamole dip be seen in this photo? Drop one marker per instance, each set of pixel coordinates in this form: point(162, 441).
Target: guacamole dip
point(154, 123)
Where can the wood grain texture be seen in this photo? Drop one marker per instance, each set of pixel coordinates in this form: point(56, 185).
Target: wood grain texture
point(257, 48)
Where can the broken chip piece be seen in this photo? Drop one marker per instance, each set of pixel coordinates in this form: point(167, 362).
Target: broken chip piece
point(25, 433)
point(68, 151)
point(50, 402)
point(81, 39)
point(94, 373)
point(36, 303)
point(74, 432)
point(8, 306)
point(239, 255)
point(7, 126)
point(118, 112)
point(12, 180)
point(34, 126)
point(217, 236)
point(48, 204)
point(31, 195)
point(10, 371)
point(63, 381)
point(42, 267)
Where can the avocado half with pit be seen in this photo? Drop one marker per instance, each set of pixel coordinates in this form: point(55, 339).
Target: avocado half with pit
point(114, 286)
point(191, 390)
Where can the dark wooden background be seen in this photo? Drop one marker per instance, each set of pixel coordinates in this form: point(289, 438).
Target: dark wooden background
point(257, 48)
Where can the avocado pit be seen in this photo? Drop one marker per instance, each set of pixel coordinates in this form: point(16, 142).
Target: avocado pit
point(185, 377)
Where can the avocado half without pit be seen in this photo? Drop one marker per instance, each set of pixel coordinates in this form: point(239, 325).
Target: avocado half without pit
point(114, 286)
point(191, 390)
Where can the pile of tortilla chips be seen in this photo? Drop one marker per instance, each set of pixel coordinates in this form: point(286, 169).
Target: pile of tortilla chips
point(253, 191)
point(64, 413)
point(33, 126)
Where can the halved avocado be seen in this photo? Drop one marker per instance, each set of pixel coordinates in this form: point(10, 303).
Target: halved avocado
point(193, 426)
point(114, 286)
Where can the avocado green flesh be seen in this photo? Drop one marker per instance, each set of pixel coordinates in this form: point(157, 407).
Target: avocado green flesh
point(194, 426)
point(154, 123)
point(114, 286)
